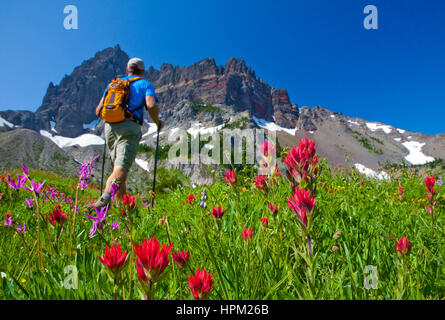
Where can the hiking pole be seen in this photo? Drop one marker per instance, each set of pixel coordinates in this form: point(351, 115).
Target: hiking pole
point(103, 163)
point(156, 165)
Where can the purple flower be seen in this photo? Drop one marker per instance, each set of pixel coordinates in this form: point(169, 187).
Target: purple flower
point(87, 168)
point(115, 225)
point(113, 189)
point(21, 229)
point(9, 223)
point(99, 220)
point(84, 184)
point(25, 169)
point(21, 179)
point(36, 187)
point(29, 202)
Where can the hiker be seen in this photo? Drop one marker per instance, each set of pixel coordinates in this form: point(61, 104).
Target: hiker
point(123, 125)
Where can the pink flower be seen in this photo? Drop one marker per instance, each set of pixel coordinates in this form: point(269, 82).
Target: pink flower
point(265, 221)
point(230, 177)
point(247, 234)
point(302, 162)
point(273, 208)
point(261, 182)
point(218, 212)
point(114, 259)
point(403, 246)
point(429, 183)
point(181, 258)
point(190, 199)
point(301, 203)
point(200, 284)
point(268, 148)
point(151, 258)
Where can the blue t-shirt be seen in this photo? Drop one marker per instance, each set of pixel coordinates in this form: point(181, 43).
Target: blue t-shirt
point(139, 89)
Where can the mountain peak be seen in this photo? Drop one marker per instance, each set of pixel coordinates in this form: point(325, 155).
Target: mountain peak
point(235, 65)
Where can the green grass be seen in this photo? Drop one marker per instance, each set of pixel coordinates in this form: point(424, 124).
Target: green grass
point(204, 107)
point(366, 143)
point(273, 265)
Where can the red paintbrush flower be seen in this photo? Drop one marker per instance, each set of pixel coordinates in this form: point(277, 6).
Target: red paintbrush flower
point(218, 212)
point(267, 148)
point(200, 284)
point(181, 258)
point(401, 192)
point(429, 183)
point(301, 203)
point(265, 221)
point(190, 199)
point(151, 258)
point(114, 259)
point(403, 246)
point(247, 234)
point(273, 208)
point(302, 162)
point(261, 182)
point(129, 201)
point(57, 216)
point(230, 177)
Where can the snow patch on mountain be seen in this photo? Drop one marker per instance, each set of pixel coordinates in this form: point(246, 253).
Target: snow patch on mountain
point(371, 173)
point(152, 128)
point(262, 123)
point(53, 126)
point(84, 140)
point(143, 164)
point(91, 126)
point(3, 123)
point(416, 155)
point(375, 126)
point(354, 122)
point(197, 128)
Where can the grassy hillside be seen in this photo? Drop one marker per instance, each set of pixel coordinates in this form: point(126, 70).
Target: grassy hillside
point(353, 229)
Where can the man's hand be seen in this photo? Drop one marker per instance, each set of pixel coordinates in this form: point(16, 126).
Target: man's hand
point(99, 108)
point(152, 109)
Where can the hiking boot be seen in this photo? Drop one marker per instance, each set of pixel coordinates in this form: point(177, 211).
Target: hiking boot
point(102, 202)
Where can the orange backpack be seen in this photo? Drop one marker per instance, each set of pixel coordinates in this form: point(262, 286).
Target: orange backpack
point(115, 108)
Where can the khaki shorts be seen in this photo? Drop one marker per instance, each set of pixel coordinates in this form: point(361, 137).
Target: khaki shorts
point(123, 141)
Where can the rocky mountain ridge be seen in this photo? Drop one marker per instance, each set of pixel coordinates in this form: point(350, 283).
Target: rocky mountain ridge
point(202, 97)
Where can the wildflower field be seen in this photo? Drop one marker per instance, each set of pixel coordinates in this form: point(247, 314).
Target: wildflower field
point(307, 234)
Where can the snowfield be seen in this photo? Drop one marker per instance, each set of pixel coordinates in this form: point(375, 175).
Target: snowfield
point(416, 155)
point(3, 123)
point(84, 140)
point(197, 128)
point(153, 128)
point(371, 173)
point(91, 126)
point(272, 126)
point(354, 122)
point(143, 164)
point(375, 126)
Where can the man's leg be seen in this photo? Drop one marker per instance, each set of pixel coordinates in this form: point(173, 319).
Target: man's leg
point(119, 175)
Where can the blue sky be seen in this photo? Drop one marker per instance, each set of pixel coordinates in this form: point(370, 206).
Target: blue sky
point(317, 49)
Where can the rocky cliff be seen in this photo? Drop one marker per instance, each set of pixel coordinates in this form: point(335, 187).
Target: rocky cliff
point(69, 106)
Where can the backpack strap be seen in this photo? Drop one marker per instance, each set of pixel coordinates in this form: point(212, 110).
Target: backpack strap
point(134, 79)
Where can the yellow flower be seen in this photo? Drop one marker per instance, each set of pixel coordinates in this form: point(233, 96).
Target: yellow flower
point(23, 281)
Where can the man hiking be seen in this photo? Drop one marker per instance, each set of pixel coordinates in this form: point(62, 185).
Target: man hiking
point(121, 107)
